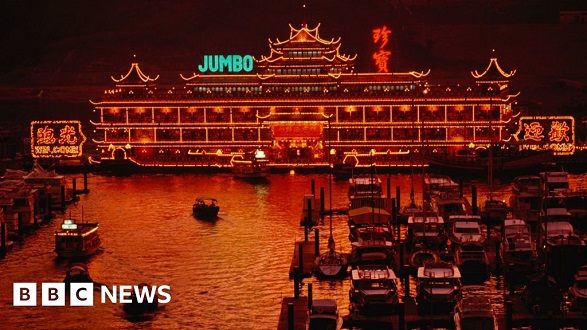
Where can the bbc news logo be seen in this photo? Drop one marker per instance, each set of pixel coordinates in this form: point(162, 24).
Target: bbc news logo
point(82, 294)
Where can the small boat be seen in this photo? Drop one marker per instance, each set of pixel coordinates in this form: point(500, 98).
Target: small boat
point(371, 250)
point(342, 171)
point(475, 313)
point(206, 208)
point(465, 228)
point(518, 251)
point(563, 250)
point(373, 290)
point(439, 287)
point(526, 198)
point(578, 291)
point(365, 185)
point(427, 229)
point(421, 256)
point(473, 262)
point(255, 167)
point(542, 294)
point(324, 315)
point(144, 306)
point(76, 240)
point(331, 264)
point(494, 211)
point(77, 273)
point(435, 185)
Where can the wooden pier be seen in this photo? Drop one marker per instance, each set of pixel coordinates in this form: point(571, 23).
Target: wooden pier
point(304, 264)
point(294, 314)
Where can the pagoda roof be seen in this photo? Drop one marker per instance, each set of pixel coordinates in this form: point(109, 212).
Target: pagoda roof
point(493, 73)
point(134, 76)
point(304, 35)
point(305, 38)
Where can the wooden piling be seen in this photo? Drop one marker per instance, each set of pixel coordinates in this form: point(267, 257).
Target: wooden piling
point(321, 201)
point(301, 257)
point(297, 278)
point(316, 242)
point(290, 316)
point(310, 295)
point(388, 188)
point(397, 197)
point(73, 189)
point(474, 199)
point(313, 187)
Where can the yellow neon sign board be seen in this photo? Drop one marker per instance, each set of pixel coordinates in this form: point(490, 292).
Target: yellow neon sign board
point(56, 139)
point(556, 133)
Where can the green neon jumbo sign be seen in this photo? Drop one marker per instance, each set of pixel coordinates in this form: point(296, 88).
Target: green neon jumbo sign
point(226, 63)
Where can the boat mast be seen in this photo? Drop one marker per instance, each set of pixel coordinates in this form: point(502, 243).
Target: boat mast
point(331, 244)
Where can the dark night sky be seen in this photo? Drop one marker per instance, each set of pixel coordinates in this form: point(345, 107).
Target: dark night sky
point(67, 42)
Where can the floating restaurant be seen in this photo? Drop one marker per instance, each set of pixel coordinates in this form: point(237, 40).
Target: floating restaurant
point(305, 106)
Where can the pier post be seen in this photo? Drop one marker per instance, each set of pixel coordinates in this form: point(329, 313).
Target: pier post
point(508, 314)
point(20, 226)
point(313, 187)
point(301, 259)
point(290, 316)
point(388, 188)
point(474, 199)
point(460, 187)
point(309, 295)
point(3, 233)
point(297, 276)
point(397, 199)
point(401, 315)
point(316, 242)
point(497, 260)
point(401, 258)
point(310, 211)
point(322, 202)
point(73, 189)
point(63, 196)
point(306, 225)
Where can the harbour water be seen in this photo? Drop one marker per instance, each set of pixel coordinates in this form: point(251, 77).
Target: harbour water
point(227, 274)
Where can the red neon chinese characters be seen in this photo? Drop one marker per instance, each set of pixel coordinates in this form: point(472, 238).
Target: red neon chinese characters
point(381, 34)
point(67, 135)
point(533, 131)
point(45, 135)
point(381, 57)
point(558, 131)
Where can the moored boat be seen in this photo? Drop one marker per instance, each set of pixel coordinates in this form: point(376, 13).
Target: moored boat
point(518, 252)
point(526, 197)
point(373, 290)
point(365, 185)
point(465, 228)
point(439, 287)
point(255, 167)
point(421, 256)
point(473, 262)
point(494, 211)
point(324, 315)
point(427, 229)
point(206, 208)
point(475, 313)
point(76, 240)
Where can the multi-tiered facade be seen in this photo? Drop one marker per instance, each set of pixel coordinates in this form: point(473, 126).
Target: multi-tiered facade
point(301, 103)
